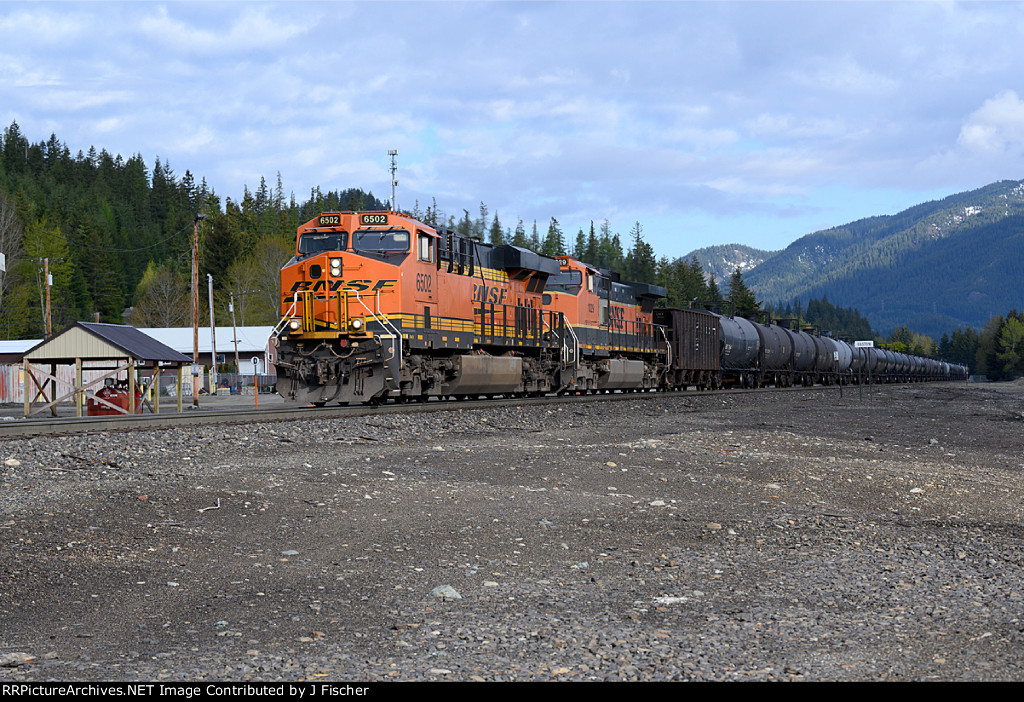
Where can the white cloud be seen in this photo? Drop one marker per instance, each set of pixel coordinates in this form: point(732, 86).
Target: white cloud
point(995, 127)
point(41, 25)
point(251, 29)
point(16, 72)
point(845, 75)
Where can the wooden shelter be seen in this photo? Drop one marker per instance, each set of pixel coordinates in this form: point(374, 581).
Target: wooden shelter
point(110, 347)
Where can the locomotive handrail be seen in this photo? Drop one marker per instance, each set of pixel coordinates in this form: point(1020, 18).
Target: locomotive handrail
point(565, 347)
point(385, 323)
point(575, 345)
point(284, 319)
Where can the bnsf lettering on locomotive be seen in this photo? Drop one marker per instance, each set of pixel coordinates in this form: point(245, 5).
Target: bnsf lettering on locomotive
point(373, 219)
point(489, 294)
point(336, 285)
point(318, 286)
point(617, 319)
point(329, 220)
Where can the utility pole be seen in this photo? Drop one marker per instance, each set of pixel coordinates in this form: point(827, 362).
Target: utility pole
point(195, 310)
point(48, 281)
point(394, 181)
point(234, 332)
point(213, 338)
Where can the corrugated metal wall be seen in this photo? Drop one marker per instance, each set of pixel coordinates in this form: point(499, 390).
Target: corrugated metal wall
point(12, 384)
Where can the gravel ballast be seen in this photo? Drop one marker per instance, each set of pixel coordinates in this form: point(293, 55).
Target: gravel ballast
point(757, 536)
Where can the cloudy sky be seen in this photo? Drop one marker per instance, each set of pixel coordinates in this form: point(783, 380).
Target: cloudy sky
point(710, 123)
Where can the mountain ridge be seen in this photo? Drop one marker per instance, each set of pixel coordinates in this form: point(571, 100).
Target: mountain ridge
point(936, 266)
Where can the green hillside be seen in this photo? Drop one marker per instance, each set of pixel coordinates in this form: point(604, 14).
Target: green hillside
point(934, 267)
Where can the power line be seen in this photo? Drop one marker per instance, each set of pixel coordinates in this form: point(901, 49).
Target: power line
point(143, 248)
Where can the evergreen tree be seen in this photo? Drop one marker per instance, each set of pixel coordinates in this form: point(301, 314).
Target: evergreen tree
point(465, 224)
point(591, 254)
point(1010, 346)
point(480, 226)
point(520, 239)
point(496, 236)
point(641, 261)
point(740, 296)
point(554, 242)
point(580, 247)
point(714, 295)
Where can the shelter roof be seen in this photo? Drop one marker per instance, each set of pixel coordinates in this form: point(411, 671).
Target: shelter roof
point(93, 341)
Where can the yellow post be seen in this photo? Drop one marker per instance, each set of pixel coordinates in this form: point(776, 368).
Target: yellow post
point(131, 386)
point(154, 387)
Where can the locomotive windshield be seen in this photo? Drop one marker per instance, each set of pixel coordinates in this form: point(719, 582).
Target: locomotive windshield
point(381, 241)
point(565, 281)
point(316, 242)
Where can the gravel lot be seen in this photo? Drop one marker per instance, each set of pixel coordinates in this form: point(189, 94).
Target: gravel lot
point(757, 536)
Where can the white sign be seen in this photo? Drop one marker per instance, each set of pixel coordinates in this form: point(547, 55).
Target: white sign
point(256, 363)
point(863, 344)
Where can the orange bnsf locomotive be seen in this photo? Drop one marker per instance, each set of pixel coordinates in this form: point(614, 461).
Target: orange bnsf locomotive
point(377, 305)
point(615, 344)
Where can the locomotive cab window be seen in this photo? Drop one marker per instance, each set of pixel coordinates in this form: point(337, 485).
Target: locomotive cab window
point(316, 242)
point(566, 281)
point(388, 241)
point(424, 247)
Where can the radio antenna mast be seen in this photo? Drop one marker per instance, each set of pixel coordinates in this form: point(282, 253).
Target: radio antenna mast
point(394, 181)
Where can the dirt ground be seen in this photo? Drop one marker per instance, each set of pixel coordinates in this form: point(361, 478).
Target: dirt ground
point(759, 536)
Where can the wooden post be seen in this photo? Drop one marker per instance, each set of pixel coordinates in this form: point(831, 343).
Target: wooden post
point(25, 388)
point(79, 393)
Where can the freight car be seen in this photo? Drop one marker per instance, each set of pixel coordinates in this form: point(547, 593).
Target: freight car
point(377, 306)
point(752, 354)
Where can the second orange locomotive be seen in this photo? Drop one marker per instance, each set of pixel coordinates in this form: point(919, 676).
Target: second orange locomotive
point(378, 305)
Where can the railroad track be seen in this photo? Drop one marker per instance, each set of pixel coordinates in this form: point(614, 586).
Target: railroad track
point(79, 425)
